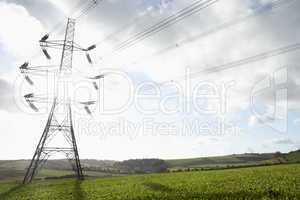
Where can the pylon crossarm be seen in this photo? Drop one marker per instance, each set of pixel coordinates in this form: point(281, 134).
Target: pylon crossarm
point(29, 71)
point(39, 70)
point(38, 100)
point(59, 44)
point(44, 99)
point(32, 100)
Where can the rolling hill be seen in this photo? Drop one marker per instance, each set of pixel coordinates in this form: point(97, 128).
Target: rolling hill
point(236, 160)
point(248, 183)
point(15, 169)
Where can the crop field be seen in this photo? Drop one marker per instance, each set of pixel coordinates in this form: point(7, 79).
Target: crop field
point(273, 182)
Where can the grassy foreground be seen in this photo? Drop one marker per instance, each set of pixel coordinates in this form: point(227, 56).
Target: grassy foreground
point(273, 182)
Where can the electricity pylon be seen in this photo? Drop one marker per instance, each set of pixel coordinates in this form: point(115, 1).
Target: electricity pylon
point(60, 117)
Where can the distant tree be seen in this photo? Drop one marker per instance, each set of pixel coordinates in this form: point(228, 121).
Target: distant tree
point(277, 154)
point(142, 166)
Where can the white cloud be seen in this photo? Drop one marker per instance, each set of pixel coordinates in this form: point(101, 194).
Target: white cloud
point(63, 6)
point(284, 141)
point(19, 134)
point(297, 121)
point(20, 32)
point(246, 39)
point(264, 118)
point(252, 121)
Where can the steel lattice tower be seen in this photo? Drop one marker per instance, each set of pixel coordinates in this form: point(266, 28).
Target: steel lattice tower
point(60, 117)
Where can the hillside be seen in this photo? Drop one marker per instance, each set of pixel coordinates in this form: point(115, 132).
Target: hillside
point(236, 160)
point(15, 169)
point(55, 164)
point(293, 156)
point(55, 168)
point(243, 159)
point(247, 183)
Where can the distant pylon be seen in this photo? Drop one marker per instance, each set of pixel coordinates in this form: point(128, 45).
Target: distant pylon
point(60, 117)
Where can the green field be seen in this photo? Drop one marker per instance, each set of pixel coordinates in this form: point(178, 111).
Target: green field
point(272, 182)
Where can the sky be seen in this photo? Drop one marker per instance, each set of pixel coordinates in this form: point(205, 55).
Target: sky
point(159, 99)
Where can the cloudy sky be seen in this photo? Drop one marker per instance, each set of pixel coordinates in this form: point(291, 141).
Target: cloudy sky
point(198, 87)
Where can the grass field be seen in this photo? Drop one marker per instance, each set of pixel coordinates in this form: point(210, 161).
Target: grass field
point(273, 182)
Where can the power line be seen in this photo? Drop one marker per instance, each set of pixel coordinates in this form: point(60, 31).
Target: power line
point(182, 14)
point(193, 8)
point(263, 9)
point(140, 36)
point(164, 20)
point(124, 27)
point(258, 11)
point(135, 20)
point(241, 62)
point(86, 10)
